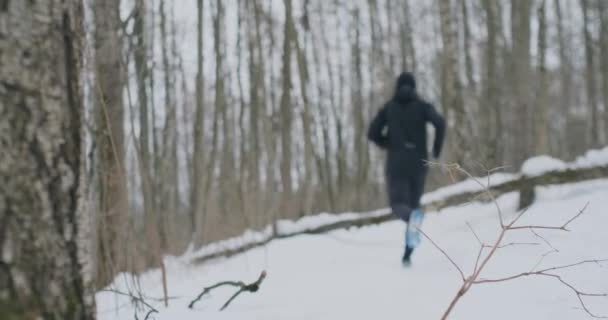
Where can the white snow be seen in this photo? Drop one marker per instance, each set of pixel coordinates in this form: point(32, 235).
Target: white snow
point(592, 158)
point(356, 274)
point(542, 164)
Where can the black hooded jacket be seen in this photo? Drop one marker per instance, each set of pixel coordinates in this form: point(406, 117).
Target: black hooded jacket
point(400, 128)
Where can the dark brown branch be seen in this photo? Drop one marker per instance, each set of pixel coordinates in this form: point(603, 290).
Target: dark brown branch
point(252, 287)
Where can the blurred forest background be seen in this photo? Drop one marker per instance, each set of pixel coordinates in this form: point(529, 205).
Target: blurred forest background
point(210, 118)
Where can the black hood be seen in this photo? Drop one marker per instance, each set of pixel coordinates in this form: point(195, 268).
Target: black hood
point(405, 94)
point(405, 90)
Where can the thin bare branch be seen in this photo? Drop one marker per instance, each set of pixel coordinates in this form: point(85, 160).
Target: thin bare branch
point(544, 240)
point(252, 287)
point(562, 227)
point(513, 244)
point(134, 298)
point(478, 258)
point(596, 261)
point(576, 216)
point(474, 233)
point(231, 298)
point(445, 254)
point(542, 258)
point(217, 285)
point(521, 214)
point(485, 188)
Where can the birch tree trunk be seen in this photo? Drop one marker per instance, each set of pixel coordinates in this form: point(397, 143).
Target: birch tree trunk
point(42, 222)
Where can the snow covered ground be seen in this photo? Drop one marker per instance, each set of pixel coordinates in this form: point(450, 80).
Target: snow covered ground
point(357, 274)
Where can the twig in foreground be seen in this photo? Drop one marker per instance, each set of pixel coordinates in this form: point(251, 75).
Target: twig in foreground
point(252, 287)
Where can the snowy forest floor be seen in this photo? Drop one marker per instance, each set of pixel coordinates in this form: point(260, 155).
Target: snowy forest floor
point(357, 274)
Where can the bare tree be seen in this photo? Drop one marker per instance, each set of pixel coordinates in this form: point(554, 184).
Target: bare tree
point(565, 75)
point(521, 12)
point(109, 110)
point(43, 224)
point(451, 93)
point(286, 109)
point(144, 155)
point(491, 122)
point(590, 76)
point(603, 11)
point(542, 121)
point(198, 194)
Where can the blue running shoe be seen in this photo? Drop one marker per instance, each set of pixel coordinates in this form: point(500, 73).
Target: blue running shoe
point(412, 235)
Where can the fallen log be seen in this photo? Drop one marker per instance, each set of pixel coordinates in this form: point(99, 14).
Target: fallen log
point(524, 184)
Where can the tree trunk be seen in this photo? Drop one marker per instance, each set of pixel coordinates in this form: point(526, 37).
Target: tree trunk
point(521, 70)
point(43, 227)
point(565, 79)
point(144, 156)
point(594, 133)
point(451, 93)
point(227, 168)
point(198, 195)
point(359, 112)
point(306, 116)
point(169, 168)
point(468, 46)
point(109, 110)
point(542, 121)
point(286, 111)
point(490, 106)
point(603, 9)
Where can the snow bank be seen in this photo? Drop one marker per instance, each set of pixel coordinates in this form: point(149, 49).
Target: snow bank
point(592, 158)
point(542, 164)
point(283, 227)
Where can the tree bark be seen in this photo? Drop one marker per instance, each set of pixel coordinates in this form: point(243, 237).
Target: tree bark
point(490, 107)
point(521, 70)
point(109, 109)
point(43, 225)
